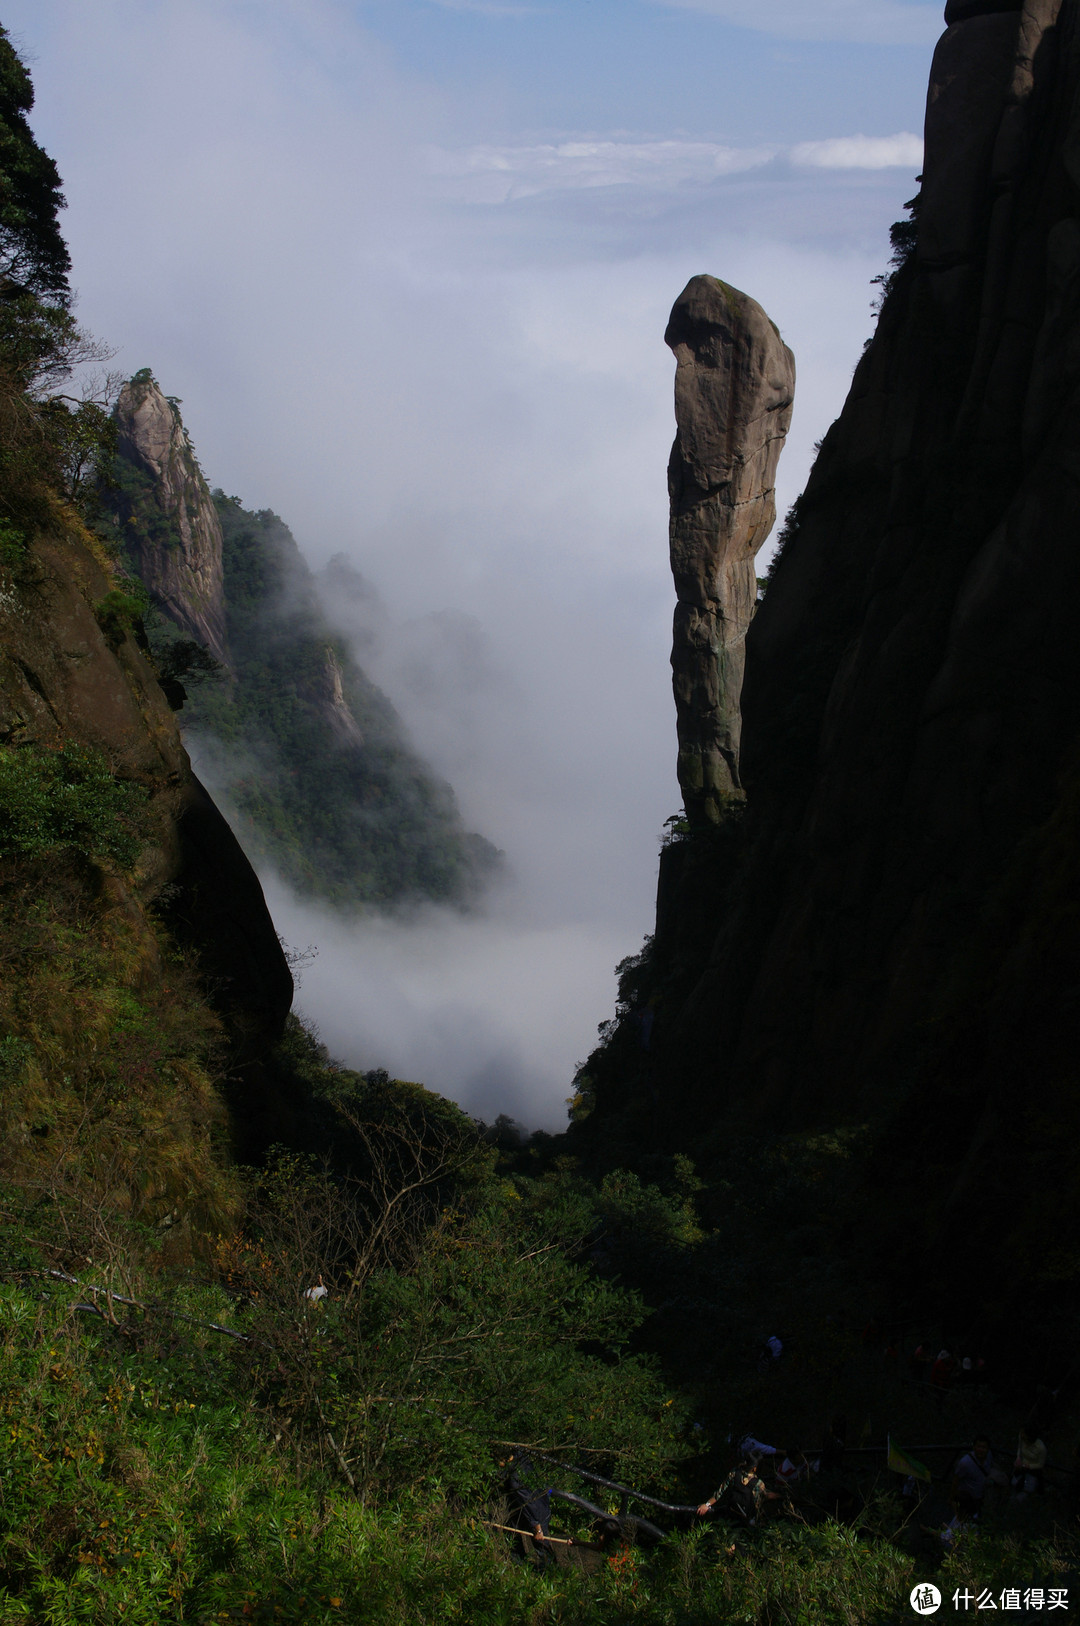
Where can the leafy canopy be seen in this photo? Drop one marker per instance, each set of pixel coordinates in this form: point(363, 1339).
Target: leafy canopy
point(33, 254)
point(50, 800)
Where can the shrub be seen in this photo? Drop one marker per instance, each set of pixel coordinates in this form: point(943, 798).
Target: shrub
point(119, 612)
point(67, 798)
point(13, 545)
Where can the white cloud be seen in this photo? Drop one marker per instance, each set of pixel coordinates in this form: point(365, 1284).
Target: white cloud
point(856, 22)
point(499, 174)
point(901, 151)
point(503, 174)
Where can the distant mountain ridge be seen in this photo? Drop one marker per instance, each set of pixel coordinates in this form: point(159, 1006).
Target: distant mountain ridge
point(307, 755)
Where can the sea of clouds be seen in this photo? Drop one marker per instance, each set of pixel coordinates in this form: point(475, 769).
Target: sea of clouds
point(444, 360)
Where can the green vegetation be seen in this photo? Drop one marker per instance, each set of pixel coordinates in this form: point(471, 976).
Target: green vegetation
point(120, 612)
point(904, 239)
point(326, 790)
point(346, 1459)
point(108, 1053)
point(51, 800)
point(48, 443)
point(33, 253)
point(13, 543)
point(142, 1484)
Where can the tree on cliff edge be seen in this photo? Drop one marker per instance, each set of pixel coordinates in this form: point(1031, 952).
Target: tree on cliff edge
point(33, 254)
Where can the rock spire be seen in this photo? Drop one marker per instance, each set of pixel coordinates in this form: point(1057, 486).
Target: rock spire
point(734, 387)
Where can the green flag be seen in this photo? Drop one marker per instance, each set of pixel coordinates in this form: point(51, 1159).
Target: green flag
point(901, 1462)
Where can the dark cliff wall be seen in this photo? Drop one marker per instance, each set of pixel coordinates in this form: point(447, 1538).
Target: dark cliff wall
point(72, 673)
point(888, 933)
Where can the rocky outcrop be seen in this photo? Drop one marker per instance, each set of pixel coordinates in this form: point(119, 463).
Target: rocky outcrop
point(306, 755)
point(167, 518)
point(70, 672)
point(328, 691)
point(890, 936)
point(734, 388)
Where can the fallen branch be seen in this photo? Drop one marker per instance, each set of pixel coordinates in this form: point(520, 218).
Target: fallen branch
point(136, 1304)
point(554, 1541)
point(342, 1464)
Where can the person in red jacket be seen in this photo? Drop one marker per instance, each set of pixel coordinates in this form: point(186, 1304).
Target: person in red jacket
point(943, 1370)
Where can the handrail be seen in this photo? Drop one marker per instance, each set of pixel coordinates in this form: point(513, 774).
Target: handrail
point(610, 1484)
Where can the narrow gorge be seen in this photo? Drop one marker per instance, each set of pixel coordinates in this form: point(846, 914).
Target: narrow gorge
point(286, 1340)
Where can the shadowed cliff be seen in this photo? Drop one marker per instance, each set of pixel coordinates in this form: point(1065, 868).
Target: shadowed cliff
point(887, 934)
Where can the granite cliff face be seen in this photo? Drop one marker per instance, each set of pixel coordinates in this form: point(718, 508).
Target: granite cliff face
point(734, 387)
point(167, 517)
point(889, 936)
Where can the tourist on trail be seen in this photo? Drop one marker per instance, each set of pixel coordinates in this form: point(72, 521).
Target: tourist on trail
point(1042, 1412)
point(1030, 1463)
point(919, 1364)
point(531, 1509)
point(769, 1353)
point(741, 1494)
point(793, 1469)
point(750, 1447)
point(943, 1370)
point(974, 1471)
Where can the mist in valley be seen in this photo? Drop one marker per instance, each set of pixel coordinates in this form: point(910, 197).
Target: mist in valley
point(429, 334)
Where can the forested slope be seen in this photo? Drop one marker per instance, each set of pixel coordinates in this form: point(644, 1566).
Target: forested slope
point(308, 755)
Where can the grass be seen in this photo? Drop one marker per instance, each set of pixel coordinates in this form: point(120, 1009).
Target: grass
point(108, 1058)
point(145, 1477)
point(136, 1487)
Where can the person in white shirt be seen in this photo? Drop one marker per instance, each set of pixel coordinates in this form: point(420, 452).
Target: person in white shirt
point(1029, 1465)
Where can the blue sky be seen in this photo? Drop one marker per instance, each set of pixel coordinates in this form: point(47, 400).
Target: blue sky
point(642, 65)
point(408, 263)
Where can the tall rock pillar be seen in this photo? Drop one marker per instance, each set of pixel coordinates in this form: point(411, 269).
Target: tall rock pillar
point(734, 388)
point(167, 517)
